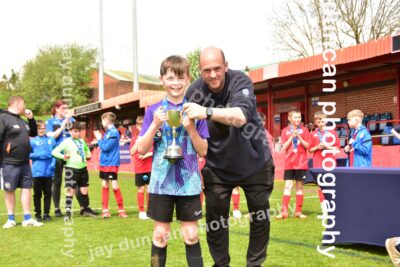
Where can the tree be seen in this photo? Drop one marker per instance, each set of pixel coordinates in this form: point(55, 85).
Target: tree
point(194, 61)
point(299, 28)
point(58, 72)
point(8, 87)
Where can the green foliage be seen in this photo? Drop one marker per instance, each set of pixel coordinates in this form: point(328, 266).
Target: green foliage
point(194, 61)
point(58, 72)
point(8, 87)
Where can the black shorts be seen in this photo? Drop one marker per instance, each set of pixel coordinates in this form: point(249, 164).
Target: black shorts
point(108, 175)
point(142, 179)
point(161, 208)
point(76, 177)
point(14, 176)
point(298, 175)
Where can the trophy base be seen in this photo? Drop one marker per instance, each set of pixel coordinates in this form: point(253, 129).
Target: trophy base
point(173, 154)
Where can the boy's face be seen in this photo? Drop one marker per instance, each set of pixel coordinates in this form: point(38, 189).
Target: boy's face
point(75, 133)
point(353, 122)
point(320, 123)
point(105, 123)
point(139, 126)
point(175, 85)
point(41, 129)
point(295, 119)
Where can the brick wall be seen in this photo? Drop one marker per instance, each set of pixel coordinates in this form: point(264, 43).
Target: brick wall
point(372, 100)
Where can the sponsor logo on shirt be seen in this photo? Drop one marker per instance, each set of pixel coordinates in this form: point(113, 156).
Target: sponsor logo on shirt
point(197, 213)
point(16, 126)
point(246, 92)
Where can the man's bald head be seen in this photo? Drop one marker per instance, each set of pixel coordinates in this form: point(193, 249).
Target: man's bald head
point(214, 53)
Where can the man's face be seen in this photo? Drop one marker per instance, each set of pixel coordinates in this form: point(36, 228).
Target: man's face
point(75, 133)
point(20, 107)
point(213, 69)
point(175, 85)
point(295, 119)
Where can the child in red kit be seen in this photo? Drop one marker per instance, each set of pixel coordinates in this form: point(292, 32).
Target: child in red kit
point(142, 171)
point(323, 144)
point(295, 140)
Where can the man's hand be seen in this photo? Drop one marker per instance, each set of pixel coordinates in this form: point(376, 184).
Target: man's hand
point(28, 114)
point(195, 111)
point(321, 146)
point(97, 134)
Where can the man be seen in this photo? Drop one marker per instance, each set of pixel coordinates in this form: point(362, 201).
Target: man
point(238, 154)
point(15, 148)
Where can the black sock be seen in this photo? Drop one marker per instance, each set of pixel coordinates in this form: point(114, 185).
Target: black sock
point(85, 201)
point(68, 203)
point(398, 247)
point(158, 256)
point(193, 255)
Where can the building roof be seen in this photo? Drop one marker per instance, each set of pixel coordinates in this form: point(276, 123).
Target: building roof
point(128, 76)
point(364, 51)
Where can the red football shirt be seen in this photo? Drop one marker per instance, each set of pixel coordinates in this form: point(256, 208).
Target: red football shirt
point(296, 160)
point(316, 140)
point(141, 165)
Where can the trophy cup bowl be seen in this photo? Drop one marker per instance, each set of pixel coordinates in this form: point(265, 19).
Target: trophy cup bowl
point(174, 151)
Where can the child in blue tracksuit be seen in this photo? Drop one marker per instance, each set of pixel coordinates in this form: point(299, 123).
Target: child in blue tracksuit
point(43, 166)
point(360, 144)
point(109, 163)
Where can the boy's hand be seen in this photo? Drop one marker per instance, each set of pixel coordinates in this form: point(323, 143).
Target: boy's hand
point(160, 116)
point(187, 123)
point(97, 134)
point(321, 146)
point(347, 149)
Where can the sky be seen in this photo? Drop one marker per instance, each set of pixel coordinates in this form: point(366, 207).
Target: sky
point(164, 27)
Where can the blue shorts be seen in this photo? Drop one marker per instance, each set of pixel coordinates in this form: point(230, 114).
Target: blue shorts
point(15, 176)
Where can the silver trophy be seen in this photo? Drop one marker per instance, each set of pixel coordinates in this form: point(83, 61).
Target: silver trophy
point(174, 151)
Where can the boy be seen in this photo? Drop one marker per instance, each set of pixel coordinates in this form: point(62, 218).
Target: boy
point(75, 152)
point(142, 171)
point(295, 141)
point(109, 163)
point(43, 166)
point(174, 183)
point(360, 143)
point(323, 140)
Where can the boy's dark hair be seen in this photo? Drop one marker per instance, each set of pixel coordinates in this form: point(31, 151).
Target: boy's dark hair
point(177, 64)
point(76, 125)
point(39, 123)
